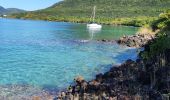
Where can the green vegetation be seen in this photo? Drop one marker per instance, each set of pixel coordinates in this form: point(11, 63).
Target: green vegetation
point(4, 11)
point(162, 42)
point(126, 12)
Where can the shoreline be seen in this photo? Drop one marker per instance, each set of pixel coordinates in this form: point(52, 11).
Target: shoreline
point(131, 80)
point(110, 24)
point(119, 83)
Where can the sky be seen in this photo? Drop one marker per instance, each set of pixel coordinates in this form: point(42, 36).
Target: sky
point(29, 5)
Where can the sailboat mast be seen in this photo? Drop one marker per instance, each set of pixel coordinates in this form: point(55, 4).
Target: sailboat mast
point(94, 13)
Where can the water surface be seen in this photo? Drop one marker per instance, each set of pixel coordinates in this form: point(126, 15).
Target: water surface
point(50, 54)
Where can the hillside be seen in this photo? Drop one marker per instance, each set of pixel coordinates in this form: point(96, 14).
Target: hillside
point(9, 10)
point(109, 8)
point(80, 10)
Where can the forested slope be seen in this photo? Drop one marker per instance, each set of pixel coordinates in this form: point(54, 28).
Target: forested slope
point(108, 11)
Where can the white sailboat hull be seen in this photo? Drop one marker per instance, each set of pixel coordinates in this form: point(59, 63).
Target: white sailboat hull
point(94, 26)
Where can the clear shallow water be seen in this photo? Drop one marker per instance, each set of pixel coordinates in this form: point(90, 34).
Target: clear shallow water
point(50, 54)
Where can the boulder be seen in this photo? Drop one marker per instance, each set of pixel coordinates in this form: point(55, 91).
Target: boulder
point(167, 54)
point(79, 79)
point(135, 40)
point(99, 77)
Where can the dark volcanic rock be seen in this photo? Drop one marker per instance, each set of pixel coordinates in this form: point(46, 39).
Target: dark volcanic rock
point(133, 80)
point(167, 53)
point(135, 40)
point(108, 41)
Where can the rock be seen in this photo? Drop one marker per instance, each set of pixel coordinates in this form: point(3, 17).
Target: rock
point(137, 97)
point(135, 40)
point(104, 95)
point(36, 98)
point(167, 53)
point(104, 40)
point(113, 98)
point(108, 41)
point(79, 79)
point(130, 62)
point(124, 82)
point(99, 77)
point(70, 97)
point(59, 95)
point(119, 41)
point(70, 89)
point(94, 97)
point(94, 83)
point(76, 97)
point(85, 96)
point(63, 94)
point(84, 85)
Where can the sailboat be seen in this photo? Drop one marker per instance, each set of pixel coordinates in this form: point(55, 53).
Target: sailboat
point(94, 25)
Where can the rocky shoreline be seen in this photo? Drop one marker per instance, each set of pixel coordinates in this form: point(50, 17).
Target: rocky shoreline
point(130, 81)
point(117, 84)
point(133, 80)
point(138, 40)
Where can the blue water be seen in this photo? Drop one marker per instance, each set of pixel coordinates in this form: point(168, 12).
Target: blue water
point(51, 54)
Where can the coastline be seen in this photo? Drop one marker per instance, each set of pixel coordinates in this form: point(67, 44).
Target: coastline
point(108, 85)
point(111, 22)
point(129, 81)
point(50, 55)
point(18, 85)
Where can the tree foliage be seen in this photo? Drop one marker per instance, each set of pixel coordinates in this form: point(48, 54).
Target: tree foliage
point(128, 12)
point(162, 42)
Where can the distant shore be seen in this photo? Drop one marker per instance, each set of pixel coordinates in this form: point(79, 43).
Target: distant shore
point(136, 21)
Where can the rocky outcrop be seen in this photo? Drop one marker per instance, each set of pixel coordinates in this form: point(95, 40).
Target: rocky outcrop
point(133, 80)
point(109, 41)
point(143, 79)
point(138, 40)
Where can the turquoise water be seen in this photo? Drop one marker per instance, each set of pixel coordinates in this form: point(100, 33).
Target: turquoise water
point(50, 54)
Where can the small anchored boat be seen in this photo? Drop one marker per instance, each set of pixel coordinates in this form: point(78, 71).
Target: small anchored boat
point(94, 25)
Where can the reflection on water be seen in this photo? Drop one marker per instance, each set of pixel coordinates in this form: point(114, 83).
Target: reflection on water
point(93, 32)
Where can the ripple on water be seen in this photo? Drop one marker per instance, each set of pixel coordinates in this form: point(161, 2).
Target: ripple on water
point(48, 55)
point(24, 92)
